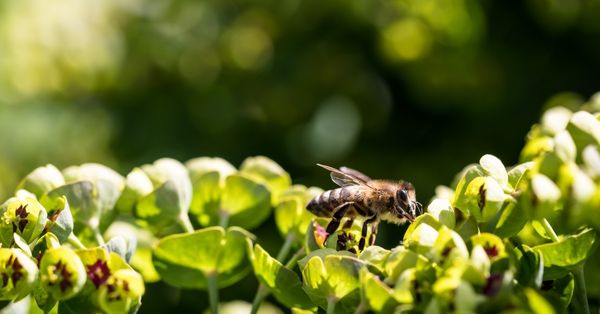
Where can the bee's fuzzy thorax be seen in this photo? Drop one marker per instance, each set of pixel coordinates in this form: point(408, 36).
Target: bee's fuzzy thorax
point(390, 217)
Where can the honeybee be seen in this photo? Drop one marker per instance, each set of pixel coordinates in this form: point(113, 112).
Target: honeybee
point(359, 195)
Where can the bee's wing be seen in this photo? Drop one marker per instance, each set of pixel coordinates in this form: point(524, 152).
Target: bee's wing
point(343, 178)
point(355, 173)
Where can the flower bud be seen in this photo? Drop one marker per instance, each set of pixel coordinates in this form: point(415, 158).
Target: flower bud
point(62, 273)
point(121, 291)
point(23, 215)
point(18, 273)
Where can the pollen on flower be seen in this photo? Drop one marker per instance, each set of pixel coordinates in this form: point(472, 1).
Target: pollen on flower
point(61, 275)
point(98, 272)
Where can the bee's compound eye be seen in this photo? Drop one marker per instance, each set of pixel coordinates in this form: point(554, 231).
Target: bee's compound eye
point(402, 195)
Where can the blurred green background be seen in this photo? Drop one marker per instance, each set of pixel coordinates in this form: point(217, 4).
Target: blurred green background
point(412, 89)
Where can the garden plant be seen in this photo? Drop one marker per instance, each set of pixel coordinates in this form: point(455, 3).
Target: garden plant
point(520, 239)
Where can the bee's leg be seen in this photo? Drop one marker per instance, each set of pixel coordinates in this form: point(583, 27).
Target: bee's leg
point(374, 228)
point(338, 214)
point(363, 234)
point(348, 224)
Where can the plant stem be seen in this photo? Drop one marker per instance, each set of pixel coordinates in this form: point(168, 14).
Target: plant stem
point(184, 221)
point(223, 219)
point(292, 262)
point(549, 230)
point(74, 241)
point(213, 292)
point(331, 305)
point(580, 298)
point(261, 294)
point(285, 248)
point(98, 236)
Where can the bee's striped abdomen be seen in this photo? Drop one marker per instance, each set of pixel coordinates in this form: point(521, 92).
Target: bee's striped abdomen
point(324, 204)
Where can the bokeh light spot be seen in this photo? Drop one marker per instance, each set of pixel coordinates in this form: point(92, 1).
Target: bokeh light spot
point(333, 130)
point(406, 40)
point(250, 48)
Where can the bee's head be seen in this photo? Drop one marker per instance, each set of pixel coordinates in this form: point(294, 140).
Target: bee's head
point(406, 203)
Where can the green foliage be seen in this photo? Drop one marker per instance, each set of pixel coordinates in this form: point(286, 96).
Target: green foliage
point(499, 240)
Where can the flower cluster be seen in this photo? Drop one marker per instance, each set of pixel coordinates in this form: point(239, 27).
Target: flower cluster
point(496, 240)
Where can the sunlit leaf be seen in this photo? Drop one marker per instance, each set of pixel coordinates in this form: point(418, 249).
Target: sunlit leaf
point(376, 294)
point(42, 180)
point(442, 210)
point(282, 281)
point(200, 166)
point(333, 278)
point(495, 169)
point(137, 185)
point(570, 251)
point(376, 256)
point(268, 172)
point(185, 260)
point(246, 202)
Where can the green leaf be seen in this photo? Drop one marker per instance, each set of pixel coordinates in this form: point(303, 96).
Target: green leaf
point(517, 173)
point(459, 200)
point(536, 147)
point(333, 278)
point(512, 219)
point(564, 147)
point(80, 304)
point(591, 160)
point(268, 172)
point(376, 294)
point(170, 170)
point(546, 195)
point(107, 185)
point(376, 256)
point(246, 202)
point(537, 303)
point(555, 120)
point(584, 129)
point(570, 251)
point(185, 260)
point(292, 217)
point(60, 220)
point(81, 200)
point(42, 180)
point(442, 210)
point(206, 200)
point(495, 169)
point(322, 253)
point(93, 172)
point(200, 166)
point(162, 207)
point(484, 197)
point(422, 233)
point(22, 244)
point(117, 245)
point(530, 268)
point(282, 281)
point(137, 185)
point(559, 292)
point(399, 260)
